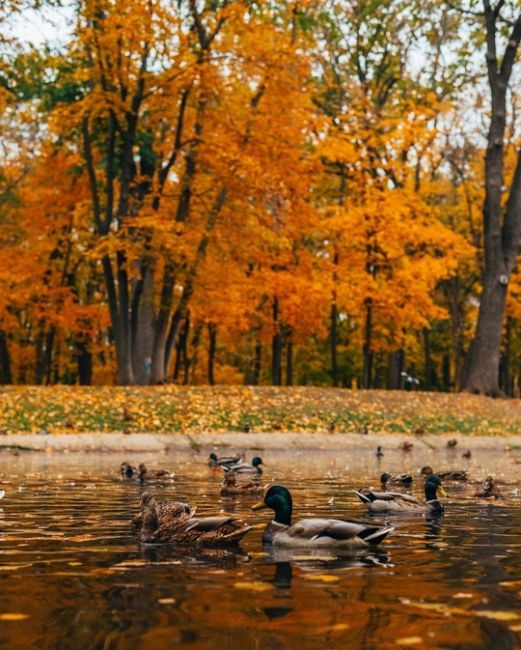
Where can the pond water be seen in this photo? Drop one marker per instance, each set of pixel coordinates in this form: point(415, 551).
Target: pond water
point(73, 576)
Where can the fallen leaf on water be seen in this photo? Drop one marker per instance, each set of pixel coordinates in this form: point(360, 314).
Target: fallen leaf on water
point(321, 577)
point(337, 627)
point(253, 586)
point(81, 538)
point(498, 615)
point(409, 640)
point(463, 594)
point(166, 601)
point(13, 616)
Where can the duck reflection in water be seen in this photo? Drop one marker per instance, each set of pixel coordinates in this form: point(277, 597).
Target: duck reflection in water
point(432, 532)
point(210, 557)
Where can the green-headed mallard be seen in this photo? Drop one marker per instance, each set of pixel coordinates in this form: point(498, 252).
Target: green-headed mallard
point(236, 484)
point(254, 469)
point(314, 533)
point(174, 523)
point(149, 475)
point(453, 475)
point(127, 470)
point(490, 490)
point(219, 461)
point(399, 479)
point(397, 503)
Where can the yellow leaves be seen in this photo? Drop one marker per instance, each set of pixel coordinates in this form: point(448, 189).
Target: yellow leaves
point(321, 577)
point(13, 616)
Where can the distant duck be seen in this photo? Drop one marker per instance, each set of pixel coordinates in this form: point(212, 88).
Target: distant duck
point(145, 474)
point(490, 490)
point(399, 479)
point(467, 454)
point(407, 446)
point(127, 470)
point(398, 503)
point(236, 484)
point(254, 469)
point(452, 443)
point(379, 452)
point(456, 475)
point(314, 533)
point(219, 461)
point(169, 523)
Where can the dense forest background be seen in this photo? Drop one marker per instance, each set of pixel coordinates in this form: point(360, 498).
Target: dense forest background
point(235, 191)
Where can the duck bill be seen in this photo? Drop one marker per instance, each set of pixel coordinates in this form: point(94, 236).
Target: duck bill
point(259, 506)
point(442, 492)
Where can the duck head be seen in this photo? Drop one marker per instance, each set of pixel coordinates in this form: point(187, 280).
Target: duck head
point(433, 487)
point(142, 470)
point(279, 500)
point(426, 471)
point(147, 500)
point(126, 470)
point(213, 457)
point(256, 461)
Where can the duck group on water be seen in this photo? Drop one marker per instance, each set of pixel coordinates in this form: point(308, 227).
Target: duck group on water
point(175, 522)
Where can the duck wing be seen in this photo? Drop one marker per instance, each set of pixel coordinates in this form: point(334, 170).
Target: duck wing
point(367, 496)
point(337, 530)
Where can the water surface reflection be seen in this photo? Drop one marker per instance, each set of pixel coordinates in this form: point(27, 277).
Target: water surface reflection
point(73, 576)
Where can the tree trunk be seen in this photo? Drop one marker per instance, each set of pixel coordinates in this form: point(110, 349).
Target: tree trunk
point(276, 347)
point(427, 359)
point(333, 337)
point(84, 360)
point(502, 227)
point(368, 353)
point(257, 362)
point(396, 365)
point(212, 343)
point(5, 363)
point(289, 363)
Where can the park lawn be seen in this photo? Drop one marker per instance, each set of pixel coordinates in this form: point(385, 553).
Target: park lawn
point(194, 409)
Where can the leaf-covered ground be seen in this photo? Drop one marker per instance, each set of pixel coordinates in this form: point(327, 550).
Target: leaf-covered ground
point(61, 409)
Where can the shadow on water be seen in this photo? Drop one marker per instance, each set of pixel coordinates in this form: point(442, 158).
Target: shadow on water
point(73, 576)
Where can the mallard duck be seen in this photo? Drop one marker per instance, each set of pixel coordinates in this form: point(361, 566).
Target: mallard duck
point(234, 484)
point(456, 475)
point(244, 468)
point(145, 474)
point(400, 479)
point(220, 461)
point(127, 471)
point(174, 523)
point(314, 533)
point(490, 490)
point(379, 452)
point(397, 503)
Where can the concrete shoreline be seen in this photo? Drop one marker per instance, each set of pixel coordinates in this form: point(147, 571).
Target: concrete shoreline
point(154, 442)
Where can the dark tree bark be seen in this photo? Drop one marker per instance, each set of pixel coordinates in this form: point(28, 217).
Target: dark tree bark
point(368, 352)
point(396, 365)
point(289, 363)
point(212, 344)
point(6, 376)
point(276, 347)
point(427, 355)
point(502, 227)
point(333, 338)
point(257, 363)
point(84, 360)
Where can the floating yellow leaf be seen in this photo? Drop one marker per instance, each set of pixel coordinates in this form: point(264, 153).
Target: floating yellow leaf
point(321, 577)
point(253, 586)
point(13, 616)
point(409, 640)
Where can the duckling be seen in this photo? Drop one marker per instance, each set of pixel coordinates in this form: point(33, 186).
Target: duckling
point(234, 484)
point(456, 475)
point(145, 474)
point(254, 469)
point(127, 471)
point(174, 523)
point(398, 503)
point(400, 479)
point(314, 533)
point(490, 490)
point(215, 461)
point(379, 452)
point(407, 446)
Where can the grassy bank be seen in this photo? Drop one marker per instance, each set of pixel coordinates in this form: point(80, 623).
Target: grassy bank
point(66, 409)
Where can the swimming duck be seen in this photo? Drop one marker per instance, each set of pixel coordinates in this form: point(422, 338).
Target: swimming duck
point(490, 490)
point(174, 523)
point(397, 503)
point(244, 468)
point(452, 443)
point(400, 479)
point(127, 470)
point(145, 474)
point(314, 533)
point(234, 484)
point(467, 454)
point(216, 461)
point(407, 446)
point(456, 475)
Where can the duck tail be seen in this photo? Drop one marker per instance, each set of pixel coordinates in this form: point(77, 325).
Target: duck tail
point(363, 497)
point(237, 535)
point(378, 535)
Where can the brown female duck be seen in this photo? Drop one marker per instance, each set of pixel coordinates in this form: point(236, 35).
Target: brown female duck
point(149, 475)
point(490, 490)
point(174, 523)
point(235, 485)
